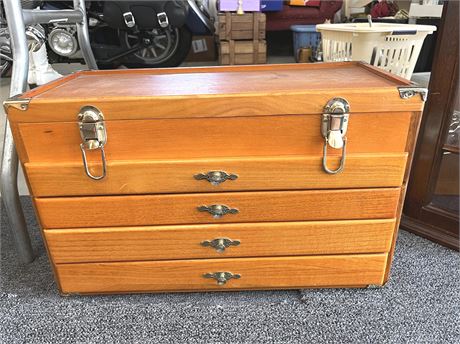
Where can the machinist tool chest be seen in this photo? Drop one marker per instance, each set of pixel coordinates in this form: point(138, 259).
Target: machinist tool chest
point(220, 178)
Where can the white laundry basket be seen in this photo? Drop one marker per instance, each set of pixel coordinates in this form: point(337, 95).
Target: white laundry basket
point(392, 47)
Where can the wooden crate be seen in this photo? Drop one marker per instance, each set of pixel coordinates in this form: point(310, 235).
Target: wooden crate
point(242, 52)
point(237, 27)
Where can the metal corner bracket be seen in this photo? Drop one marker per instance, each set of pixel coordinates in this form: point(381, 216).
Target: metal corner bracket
point(406, 92)
point(17, 102)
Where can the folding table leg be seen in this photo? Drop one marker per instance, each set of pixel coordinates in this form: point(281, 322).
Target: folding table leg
point(9, 169)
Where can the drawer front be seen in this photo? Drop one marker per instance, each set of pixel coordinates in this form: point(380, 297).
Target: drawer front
point(211, 137)
point(107, 211)
point(254, 273)
point(219, 241)
point(237, 174)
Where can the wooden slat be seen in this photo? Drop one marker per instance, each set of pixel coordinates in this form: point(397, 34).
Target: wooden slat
point(239, 27)
point(107, 211)
point(243, 47)
point(219, 82)
point(206, 69)
point(451, 148)
point(184, 242)
point(205, 92)
point(254, 173)
point(256, 273)
point(241, 54)
point(214, 137)
point(227, 105)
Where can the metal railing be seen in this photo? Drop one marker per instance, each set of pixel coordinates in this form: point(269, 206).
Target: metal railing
point(17, 19)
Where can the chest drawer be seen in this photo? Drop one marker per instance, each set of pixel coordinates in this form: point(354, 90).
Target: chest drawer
point(184, 138)
point(249, 273)
point(219, 241)
point(109, 211)
point(218, 175)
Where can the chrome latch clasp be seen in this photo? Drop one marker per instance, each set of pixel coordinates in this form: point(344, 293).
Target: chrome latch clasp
point(334, 126)
point(93, 135)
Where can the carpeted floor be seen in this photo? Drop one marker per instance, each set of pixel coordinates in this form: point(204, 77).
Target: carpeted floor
point(421, 304)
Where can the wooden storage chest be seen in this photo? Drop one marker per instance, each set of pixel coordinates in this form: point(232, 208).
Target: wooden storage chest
point(242, 52)
point(221, 178)
point(233, 26)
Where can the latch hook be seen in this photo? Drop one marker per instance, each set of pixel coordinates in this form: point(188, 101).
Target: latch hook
point(93, 135)
point(85, 164)
point(334, 129)
point(342, 158)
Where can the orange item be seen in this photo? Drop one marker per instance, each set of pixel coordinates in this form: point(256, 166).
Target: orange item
point(309, 3)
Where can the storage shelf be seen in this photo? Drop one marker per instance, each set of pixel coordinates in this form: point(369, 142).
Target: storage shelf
point(451, 148)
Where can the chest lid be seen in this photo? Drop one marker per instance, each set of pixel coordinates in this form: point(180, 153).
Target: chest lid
point(217, 92)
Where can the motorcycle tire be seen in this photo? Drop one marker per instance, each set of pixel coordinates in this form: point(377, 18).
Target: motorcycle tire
point(5, 68)
point(174, 58)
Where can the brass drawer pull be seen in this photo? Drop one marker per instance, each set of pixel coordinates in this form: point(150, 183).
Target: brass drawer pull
point(215, 177)
point(218, 210)
point(221, 277)
point(220, 244)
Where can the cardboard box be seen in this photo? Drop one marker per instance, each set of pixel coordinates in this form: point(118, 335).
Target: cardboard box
point(203, 49)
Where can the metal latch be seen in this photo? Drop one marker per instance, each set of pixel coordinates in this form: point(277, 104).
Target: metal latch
point(163, 19)
point(93, 135)
point(406, 92)
point(129, 19)
point(334, 126)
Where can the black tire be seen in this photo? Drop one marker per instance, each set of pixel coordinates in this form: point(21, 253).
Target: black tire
point(6, 57)
point(5, 68)
point(175, 57)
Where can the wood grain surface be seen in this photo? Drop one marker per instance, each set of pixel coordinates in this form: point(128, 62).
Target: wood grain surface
point(218, 81)
point(254, 173)
point(218, 92)
point(184, 242)
point(139, 229)
point(256, 273)
point(213, 137)
point(108, 211)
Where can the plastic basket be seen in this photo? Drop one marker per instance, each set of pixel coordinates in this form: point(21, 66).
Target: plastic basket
point(392, 47)
point(305, 36)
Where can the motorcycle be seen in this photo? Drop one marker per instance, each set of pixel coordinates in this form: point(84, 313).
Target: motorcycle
point(136, 34)
point(6, 54)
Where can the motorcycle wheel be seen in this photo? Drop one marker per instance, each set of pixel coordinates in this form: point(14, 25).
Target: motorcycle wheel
point(5, 67)
point(6, 55)
point(160, 47)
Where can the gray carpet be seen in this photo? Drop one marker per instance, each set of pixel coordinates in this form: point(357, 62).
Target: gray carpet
point(421, 304)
